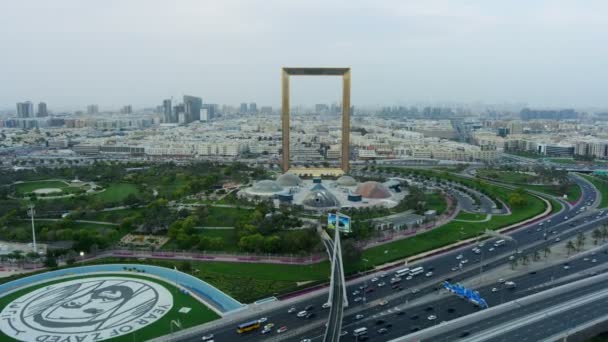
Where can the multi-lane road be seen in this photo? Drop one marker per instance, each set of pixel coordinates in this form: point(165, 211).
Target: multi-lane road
point(367, 303)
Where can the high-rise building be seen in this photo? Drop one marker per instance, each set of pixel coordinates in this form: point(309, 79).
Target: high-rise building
point(42, 111)
point(25, 109)
point(253, 107)
point(126, 109)
point(192, 108)
point(266, 109)
point(178, 111)
point(243, 108)
point(168, 112)
point(92, 109)
point(212, 110)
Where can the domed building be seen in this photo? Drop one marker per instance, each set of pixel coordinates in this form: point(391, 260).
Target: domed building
point(265, 188)
point(346, 181)
point(289, 180)
point(320, 198)
point(373, 189)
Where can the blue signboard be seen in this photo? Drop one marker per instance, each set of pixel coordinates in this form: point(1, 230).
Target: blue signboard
point(343, 223)
point(466, 293)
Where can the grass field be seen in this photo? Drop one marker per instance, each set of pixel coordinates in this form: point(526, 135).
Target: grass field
point(114, 216)
point(506, 176)
point(436, 202)
point(574, 191)
point(602, 186)
point(470, 216)
point(523, 179)
point(24, 188)
point(199, 313)
point(117, 192)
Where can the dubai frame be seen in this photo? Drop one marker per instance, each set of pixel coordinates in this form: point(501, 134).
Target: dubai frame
point(345, 73)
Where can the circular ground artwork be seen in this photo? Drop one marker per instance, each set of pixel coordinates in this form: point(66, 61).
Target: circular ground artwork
point(84, 310)
point(46, 191)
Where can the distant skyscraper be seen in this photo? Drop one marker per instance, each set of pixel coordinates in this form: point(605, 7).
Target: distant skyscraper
point(42, 111)
point(243, 108)
point(192, 108)
point(25, 109)
point(266, 109)
point(321, 108)
point(168, 112)
point(253, 107)
point(212, 110)
point(178, 111)
point(92, 109)
point(126, 109)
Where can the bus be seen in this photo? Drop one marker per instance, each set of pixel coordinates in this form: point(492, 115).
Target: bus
point(400, 273)
point(245, 327)
point(360, 331)
point(416, 271)
point(499, 243)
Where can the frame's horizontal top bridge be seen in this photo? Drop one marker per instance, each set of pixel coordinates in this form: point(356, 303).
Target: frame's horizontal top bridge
point(316, 71)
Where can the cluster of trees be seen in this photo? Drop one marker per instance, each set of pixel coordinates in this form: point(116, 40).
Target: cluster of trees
point(518, 198)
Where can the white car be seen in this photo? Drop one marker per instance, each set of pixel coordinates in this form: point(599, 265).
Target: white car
point(594, 260)
point(491, 249)
point(359, 316)
point(374, 279)
point(408, 278)
point(459, 256)
point(500, 281)
point(356, 292)
point(494, 289)
point(263, 319)
point(357, 299)
point(383, 275)
point(207, 337)
point(415, 291)
point(291, 310)
point(429, 274)
point(302, 313)
point(455, 268)
point(326, 305)
point(432, 318)
point(380, 284)
point(464, 261)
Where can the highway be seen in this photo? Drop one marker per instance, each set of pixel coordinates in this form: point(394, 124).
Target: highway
point(443, 266)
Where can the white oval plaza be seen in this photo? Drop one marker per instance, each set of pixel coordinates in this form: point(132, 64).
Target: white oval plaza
point(90, 309)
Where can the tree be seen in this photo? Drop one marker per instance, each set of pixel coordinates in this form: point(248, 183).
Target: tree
point(272, 244)
point(570, 247)
point(514, 263)
point(50, 262)
point(185, 266)
point(580, 241)
point(596, 235)
point(536, 255)
point(351, 253)
point(547, 250)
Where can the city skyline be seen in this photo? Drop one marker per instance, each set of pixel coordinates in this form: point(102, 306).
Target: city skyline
point(229, 52)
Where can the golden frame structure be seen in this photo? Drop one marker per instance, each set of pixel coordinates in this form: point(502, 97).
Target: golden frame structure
point(345, 73)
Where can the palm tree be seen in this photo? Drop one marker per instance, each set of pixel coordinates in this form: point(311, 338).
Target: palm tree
point(570, 247)
point(525, 260)
point(580, 241)
point(513, 263)
point(536, 255)
point(547, 250)
point(604, 232)
point(596, 235)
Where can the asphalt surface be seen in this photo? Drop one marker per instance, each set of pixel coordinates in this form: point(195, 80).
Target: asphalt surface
point(443, 266)
point(336, 311)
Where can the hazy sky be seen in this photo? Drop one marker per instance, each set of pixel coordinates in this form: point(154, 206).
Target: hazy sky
point(71, 53)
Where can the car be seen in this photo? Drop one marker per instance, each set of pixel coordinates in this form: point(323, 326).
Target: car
point(305, 340)
point(465, 334)
point(265, 331)
point(263, 319)
point(380, 322)
point(408, 278)
point(414, 317)
point(309, 307)
point(326, 305)
point(207, 337)
point(429, 274)
point(382, 331)
point(356, 292)
point(302, 313)
point(585, 259)
point(451, 310)
point(371, 289)
point(310, 315)
point(455, 268)
point(414, 291)
point(343, 333)
point(594, 260)
point(429, 309)
point(491, 249)
point(291, 310)
point(566, 267)
point(494, 289)
point(383, 275)
point(358, 299)
point(269, 326)
point(459, 256)
point(282, 329)
point(383, 303)
point(400, 313)
point(512, 257)
point(432, 318)
point(388, 325)
point(374, 279)
point(359, 316)
point(501, 280)
point(558, 239)
point(380, 284)
point(464, 261)
point(414, 329)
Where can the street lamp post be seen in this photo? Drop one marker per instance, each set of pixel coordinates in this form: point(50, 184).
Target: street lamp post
point(365, 287)
point(32, 212)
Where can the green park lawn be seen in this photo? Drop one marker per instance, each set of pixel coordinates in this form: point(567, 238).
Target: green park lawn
point(602, 186)
point(199, 313)
point(117, 192)
point(506, 176)
point(522, 180)
point(463, 215)
point(574, 191)
point(225, 217)
point(24, 188)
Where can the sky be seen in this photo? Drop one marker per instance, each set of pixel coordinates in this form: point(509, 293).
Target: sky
point(70, 53)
